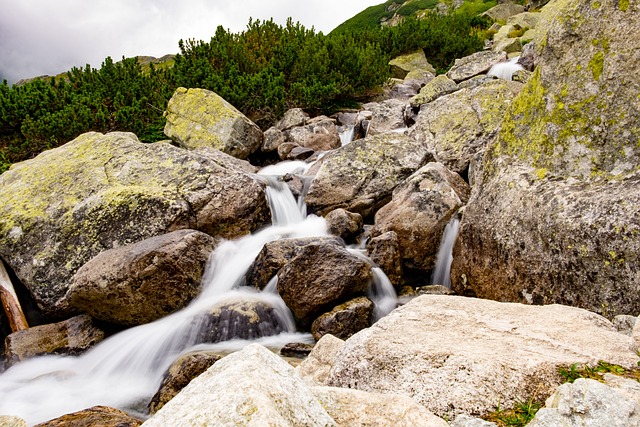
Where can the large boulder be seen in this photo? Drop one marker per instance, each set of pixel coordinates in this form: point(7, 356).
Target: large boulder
point(387, 116)
point(474, 64)
point(465, 355)
point(458, 126)
point(360, 176)
point(225, 395)
point(72, 336)
point(404, 64)
point(320, 277)
point(557, 215)
point(434, 89)
point(199, 118)
point(318, 134)
point(105, 191)
point(144, 281)
point(418, 212)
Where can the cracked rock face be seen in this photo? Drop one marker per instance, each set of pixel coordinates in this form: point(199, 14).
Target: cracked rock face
point(99, 192)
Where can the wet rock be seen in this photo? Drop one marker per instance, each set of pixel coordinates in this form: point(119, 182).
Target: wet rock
point(72, 336)
point(360, 176)
point(319, 134)
point(528, 57)
point(433, 290)
point(96, 416)
point(142, 282)
point(225, 395)
point(474, 64)
point(345, 319)
point(179, 374)
point(419, 211)
point(384, 251)
point(245, 319)
point(439, 86)
point(319, 277)
point(275, 255)
point(458, 126)
point(344, 224)
point(200, 118)
point(588, 402)
point(106, 191)
point(297, 349)
point(404, 64)
point(448, 352)
point(299, 153)
point(558, 208)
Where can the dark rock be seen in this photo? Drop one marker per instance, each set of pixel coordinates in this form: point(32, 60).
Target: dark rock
point(384, 251)
point(296, 349)
point(344, 224)
point(345, 319)
point(97, 416)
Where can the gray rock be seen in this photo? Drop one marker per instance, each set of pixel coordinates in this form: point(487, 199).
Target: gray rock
point(464, 420)
point(200, 118)
point(179, 374)
point(458, 126)
point(587, 402)
point(360, 176)
point(319, 134)
point(106, 191)
point(465, 355)
point(292, 118)
point(387, 116)
point(558, 207)
point(72, 337)
point(320, 277)
point(225, 395)
point(434, 89)
point(418, 212)
point(624, 323)
point(503, 11)
point(474, 64)
point(316, 367)
point(345, 319)
point(404, 64)
point(273, 138)
point(144, 281)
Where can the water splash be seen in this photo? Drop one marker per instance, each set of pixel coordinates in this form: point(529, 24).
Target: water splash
point(346, 136)
point(442, 271)
point(505, 70)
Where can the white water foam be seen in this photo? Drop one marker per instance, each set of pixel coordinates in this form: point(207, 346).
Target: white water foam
point(505, 70)
point(442, 271)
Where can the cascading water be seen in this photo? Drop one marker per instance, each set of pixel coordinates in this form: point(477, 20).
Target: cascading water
point(442, 271)
point(125, 370)
point(346, 136)
point(505, 70)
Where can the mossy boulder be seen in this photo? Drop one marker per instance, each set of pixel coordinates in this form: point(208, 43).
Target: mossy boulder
point(434, 89)
point(404, 64)
point(99, 192)
point(474, 64)
point(199, 118)
point(458, 126)
point(360, 176)
point(556, 217)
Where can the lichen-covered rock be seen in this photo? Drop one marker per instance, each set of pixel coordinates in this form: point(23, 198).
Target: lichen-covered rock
point(199, 118)
point(11, 421)
point(458, 126)
point(276, 254)
point(72, 336)
point(524, 19)
point(345, 319)
point(587, 402)
point(384, 251)
point(418, 212)
point(179, 374)
point(105, 191)
point(557, 215)
point(503, 11)
point(387, 116)
point(474, 64)
point(273, 138)
point(360, 176)
point(293, 117)
point(318, 134)
point(224, 395)
point(320, 277)
point(144, 281)
point(434, 89)
point(404, 64)
point(448, 352)
point(96, 416)
point(344, 224)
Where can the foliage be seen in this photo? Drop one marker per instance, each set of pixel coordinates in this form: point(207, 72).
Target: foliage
point(521, 414)
point(597, 372)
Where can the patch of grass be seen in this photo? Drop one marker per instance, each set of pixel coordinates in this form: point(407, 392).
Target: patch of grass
point(516, 32)
point(520, 415)
point(597, 372)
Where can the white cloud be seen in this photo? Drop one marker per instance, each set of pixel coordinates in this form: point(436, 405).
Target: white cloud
point(48, 37)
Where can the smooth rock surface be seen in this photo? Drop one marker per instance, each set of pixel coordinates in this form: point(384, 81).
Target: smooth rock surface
point(96, 416)
point(106, 191)
point(72, 337)
point(252, 387)
point(316, 367)
point(144, 281)
point(199, 118)
point(384, 251)
point(464, 355)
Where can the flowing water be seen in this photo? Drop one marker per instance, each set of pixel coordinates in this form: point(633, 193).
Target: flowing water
point(125, 370)
point(442, 271)
point(346, 136)
point(505, 70)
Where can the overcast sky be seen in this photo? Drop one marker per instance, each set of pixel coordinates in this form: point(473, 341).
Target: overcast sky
point(51, 36)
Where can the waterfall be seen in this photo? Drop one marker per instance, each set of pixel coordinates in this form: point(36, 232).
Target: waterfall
point(382, 294)
point(125, 370)
point(441, 273)
point(505, 70)
point(346, 136)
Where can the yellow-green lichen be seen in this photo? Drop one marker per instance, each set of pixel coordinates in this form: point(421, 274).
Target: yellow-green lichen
point(541, 173)
point(623, 5)
point(596, 65)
